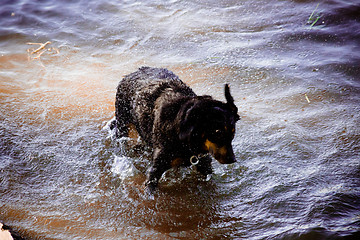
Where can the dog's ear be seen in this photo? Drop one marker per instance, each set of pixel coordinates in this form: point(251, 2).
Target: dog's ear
point(185, 134)
point(230, 102)
point(187, 125)
point(229, 98)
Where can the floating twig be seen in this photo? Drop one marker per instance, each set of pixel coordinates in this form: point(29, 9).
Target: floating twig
point(42, 46)
point(40, 50)
point(307, 98)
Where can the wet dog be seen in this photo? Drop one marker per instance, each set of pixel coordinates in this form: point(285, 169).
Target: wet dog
point(181, 127)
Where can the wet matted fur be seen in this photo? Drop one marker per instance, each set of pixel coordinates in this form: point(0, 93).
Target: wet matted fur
point(174, 121)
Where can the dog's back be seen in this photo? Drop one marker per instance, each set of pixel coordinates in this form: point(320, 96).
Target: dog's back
point(140, 93)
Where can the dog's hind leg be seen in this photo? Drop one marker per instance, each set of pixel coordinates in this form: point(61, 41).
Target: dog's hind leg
point(122, 114)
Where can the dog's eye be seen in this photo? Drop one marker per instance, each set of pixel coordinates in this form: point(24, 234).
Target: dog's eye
point(218, 132)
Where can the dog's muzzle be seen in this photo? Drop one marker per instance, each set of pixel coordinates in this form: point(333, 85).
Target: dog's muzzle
point(223, 154)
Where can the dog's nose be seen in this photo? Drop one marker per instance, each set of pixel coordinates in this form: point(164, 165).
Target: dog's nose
point(226, 157)
point(230, 158)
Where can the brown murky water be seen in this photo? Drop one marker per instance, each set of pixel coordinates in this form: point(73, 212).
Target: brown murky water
point(297, 87)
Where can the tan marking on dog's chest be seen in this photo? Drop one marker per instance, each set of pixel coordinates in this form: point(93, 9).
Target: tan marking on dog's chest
point(177, 162)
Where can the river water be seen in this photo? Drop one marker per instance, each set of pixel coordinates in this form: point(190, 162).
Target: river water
point(293, 68)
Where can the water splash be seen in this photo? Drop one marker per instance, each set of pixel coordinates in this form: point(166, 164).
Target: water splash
point(123, 167)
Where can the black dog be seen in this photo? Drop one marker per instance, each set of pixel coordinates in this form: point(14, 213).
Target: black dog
point(182, 128)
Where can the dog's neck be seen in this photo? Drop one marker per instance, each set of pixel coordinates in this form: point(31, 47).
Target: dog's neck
point(195, 159)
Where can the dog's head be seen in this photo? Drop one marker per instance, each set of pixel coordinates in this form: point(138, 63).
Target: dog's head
point(209, 125)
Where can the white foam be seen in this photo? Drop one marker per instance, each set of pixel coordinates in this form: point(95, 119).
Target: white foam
point(123, 167)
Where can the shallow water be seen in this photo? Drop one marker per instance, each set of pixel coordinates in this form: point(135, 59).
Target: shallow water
point(297, 87)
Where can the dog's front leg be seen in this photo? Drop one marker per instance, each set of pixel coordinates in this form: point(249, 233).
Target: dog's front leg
point(204, 166)
point(158, 167)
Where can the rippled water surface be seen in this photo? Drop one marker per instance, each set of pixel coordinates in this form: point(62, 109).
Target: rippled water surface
point(293, 67)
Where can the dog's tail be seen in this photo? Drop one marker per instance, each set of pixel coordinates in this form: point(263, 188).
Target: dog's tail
point(112, 124)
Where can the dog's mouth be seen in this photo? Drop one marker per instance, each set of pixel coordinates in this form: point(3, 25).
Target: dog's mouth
point(223, 154)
